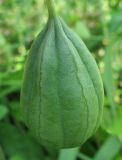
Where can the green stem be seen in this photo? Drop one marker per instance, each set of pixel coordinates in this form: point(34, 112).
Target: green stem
point(51, 8)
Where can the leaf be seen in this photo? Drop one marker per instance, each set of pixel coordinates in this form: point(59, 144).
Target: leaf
point(10, 82)
point(84, 157)
point(17, 157)
point(68, 154)
point(112, 116)
point(114, 127)
point(15, 110)
point(109, 82)
point(116, 21)
point(3, 111)
point(2, 157)
point(16, 143)
point(8, 90)
point(82, 30)
point(109, 149)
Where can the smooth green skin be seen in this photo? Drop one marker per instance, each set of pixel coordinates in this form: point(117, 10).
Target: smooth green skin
point(62, 92)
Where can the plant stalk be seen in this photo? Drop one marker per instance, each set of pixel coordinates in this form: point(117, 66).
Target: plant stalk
point(51, 8)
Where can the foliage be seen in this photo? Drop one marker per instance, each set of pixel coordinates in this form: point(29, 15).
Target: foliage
point(99, 25)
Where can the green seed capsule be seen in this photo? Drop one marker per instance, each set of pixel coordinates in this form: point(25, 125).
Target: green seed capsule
point(62, 92)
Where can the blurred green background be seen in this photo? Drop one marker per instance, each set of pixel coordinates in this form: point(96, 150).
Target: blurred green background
point(99, 24)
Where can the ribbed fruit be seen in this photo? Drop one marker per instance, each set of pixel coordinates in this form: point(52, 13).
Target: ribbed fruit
point(62, 92)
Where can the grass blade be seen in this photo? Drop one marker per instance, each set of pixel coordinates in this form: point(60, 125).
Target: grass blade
point(109, 149)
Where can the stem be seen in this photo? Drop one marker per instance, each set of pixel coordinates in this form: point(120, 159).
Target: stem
point(109, 84)
point(51, 8)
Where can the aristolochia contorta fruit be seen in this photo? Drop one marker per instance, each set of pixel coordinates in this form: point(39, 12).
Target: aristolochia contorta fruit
point(62, 92)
